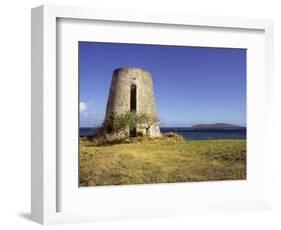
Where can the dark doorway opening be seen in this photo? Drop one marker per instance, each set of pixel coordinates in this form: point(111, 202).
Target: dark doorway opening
point(133, 108)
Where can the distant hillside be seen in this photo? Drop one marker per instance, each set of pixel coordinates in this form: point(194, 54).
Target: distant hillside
point(216, 126)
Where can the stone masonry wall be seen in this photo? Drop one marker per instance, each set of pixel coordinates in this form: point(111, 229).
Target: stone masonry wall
point(120, 91)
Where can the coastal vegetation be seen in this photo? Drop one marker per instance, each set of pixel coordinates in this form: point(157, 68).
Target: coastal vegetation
point(121, 123)
point(167, 159)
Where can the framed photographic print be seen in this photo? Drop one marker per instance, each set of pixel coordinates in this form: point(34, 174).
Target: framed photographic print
point(140, 114)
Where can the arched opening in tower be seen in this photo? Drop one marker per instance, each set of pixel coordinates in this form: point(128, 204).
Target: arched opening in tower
point(133, 108)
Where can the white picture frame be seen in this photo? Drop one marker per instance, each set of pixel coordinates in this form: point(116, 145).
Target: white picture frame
point(48, 179)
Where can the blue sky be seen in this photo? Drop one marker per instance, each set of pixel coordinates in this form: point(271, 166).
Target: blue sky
point(192, 85)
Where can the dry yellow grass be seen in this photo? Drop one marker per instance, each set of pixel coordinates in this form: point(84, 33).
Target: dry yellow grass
point(162, 160)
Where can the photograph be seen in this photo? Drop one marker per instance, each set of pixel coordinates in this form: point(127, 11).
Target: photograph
point(151, 114)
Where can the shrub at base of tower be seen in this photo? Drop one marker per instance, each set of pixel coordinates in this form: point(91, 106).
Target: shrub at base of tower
point(147, 121)
point(118, 126)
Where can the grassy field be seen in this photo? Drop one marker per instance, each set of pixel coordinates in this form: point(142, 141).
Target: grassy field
point(162, 160)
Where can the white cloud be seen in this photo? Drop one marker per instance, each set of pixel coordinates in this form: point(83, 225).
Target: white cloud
point(88, 117)
point(83, 107)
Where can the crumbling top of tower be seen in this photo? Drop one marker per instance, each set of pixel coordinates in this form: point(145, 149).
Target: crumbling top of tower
point(131, 69)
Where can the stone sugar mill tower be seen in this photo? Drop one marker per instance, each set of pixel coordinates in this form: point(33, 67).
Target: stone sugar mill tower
point(132, 90)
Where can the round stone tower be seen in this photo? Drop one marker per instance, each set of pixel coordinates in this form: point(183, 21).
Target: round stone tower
point(132, 90)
